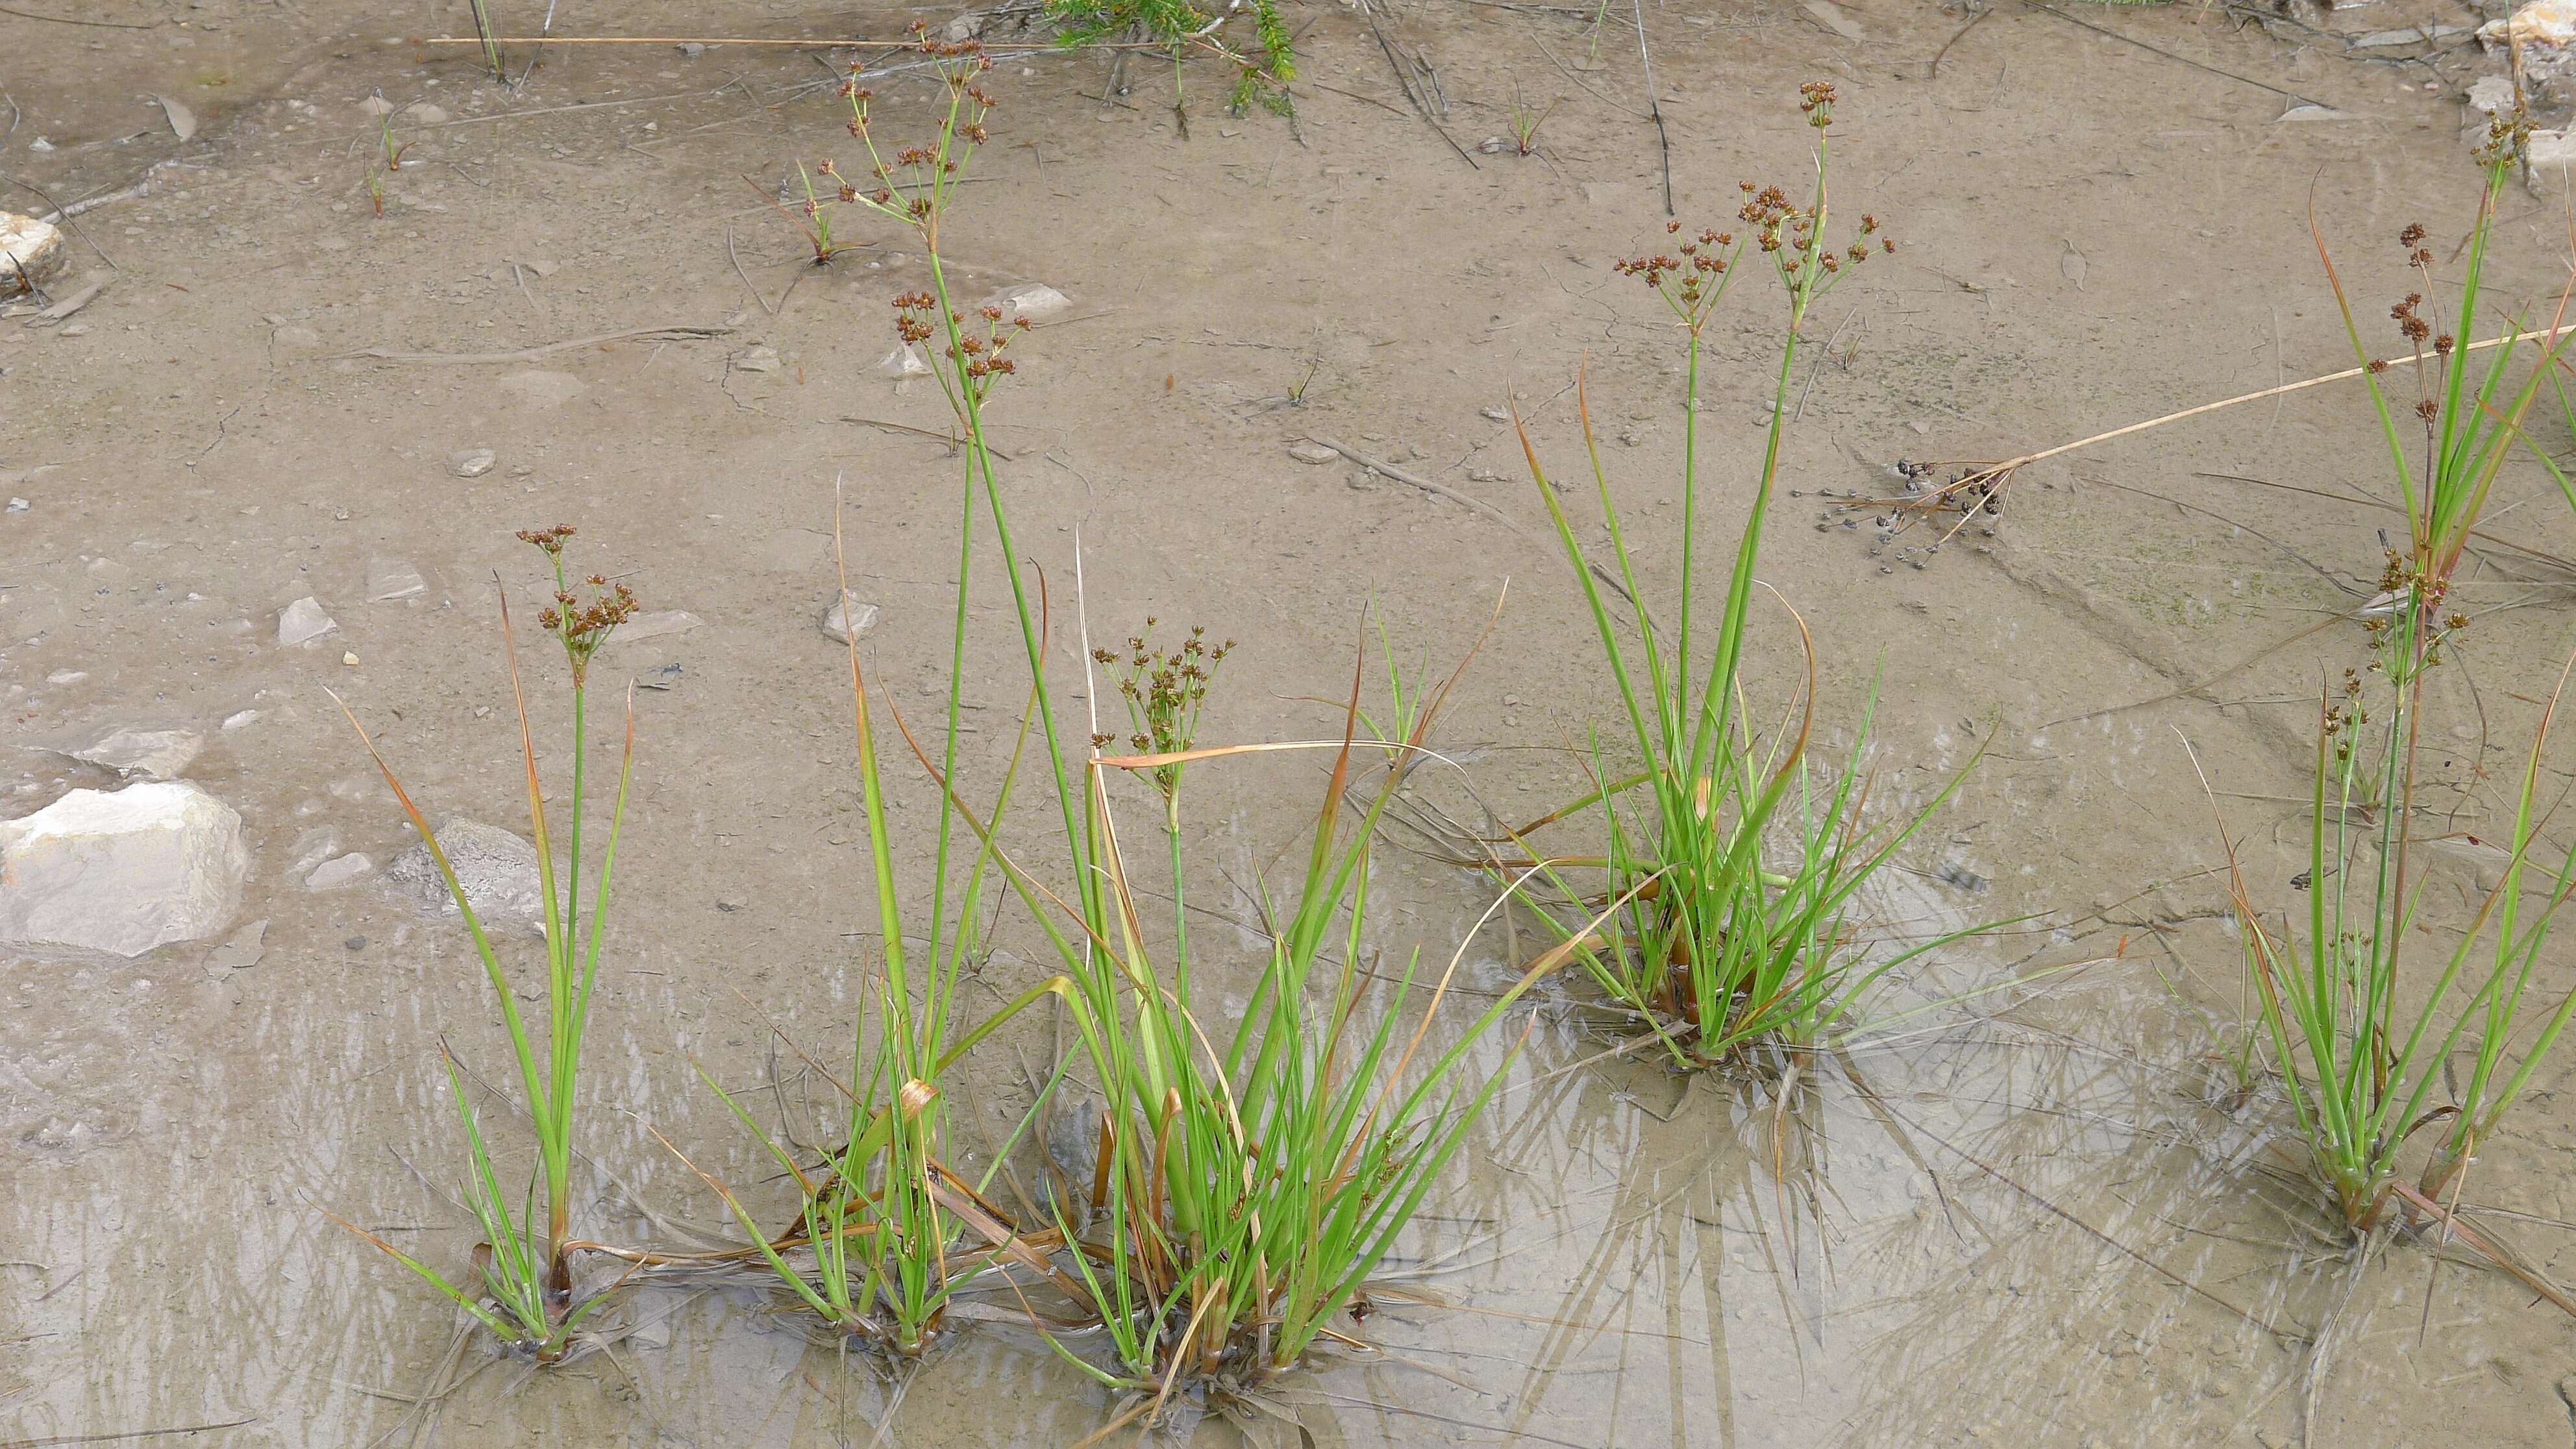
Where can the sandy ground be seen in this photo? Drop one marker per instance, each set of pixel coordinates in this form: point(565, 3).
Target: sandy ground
point(2092, 232)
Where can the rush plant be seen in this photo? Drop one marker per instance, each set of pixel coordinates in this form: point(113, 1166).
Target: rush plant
point(1735, 856)
point(1248, 1179)
point(1252, 1176)
point(886, 1234)
point(2367, 1022)
point(523, 1288)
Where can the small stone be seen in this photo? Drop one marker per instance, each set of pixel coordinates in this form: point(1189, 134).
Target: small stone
point(76, 329)
point(242, 949)
point(732, 904)
point(332, 874)
point(1511, 700)
point(158, 753)
point(963, 28)
point(1483, 475)
point(19, 505)
point(655, 625)
point(837, 616)
point(122, 872)
point(497, 869)
point(1036, 301)
point(312, 848)
point(1310, 452)
point(757, 359)
point(691, 49)
point(471, 462)
point(67, 676)
point(905, 361)
point(422, 113)
point(389, 579)
point(303, 622)
point(349, 658)
point(356, 943)
point(32, 248)
point(1499, 415)
point(378, 107)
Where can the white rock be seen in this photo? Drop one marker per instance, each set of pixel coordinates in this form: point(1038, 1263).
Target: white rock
point(242, 949)
point(183, 122)
point(905, 361)
point(654, 626)
point(67, 676)
point(1034, 300)
point(239, 719)
point(2491, 93)
point(836, 618)
point(123, 871)
point(963, 27)
point(392, 578)
point(497, 869)
point(36, 249)
point(379, 107)
point(312, 848)
point(332, 874)
point(303, 622)
point(471, 462)
point(756, 359)
point(1306, 452)
point(2540, 34)
point(160, 753)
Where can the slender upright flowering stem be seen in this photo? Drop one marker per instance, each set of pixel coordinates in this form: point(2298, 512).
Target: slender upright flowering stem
point(1717, 949)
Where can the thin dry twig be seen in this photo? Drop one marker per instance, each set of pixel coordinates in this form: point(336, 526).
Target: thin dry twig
point(133, 1433)
point(532, 354)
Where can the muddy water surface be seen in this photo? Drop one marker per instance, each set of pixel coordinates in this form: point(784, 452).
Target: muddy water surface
point(2046, 1215)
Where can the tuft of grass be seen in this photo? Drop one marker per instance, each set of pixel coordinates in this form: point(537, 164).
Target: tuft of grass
point(1252, 1177)
point(392, 153)
point(2364, 1045)
point(814, 215)
point(1737, 857)
point(1525, 121)
point(523, 1289)
point(1262, 67)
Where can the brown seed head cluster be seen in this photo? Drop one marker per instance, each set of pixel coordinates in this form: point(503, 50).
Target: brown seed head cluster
point(917, 319)
point(1164, 691)
point(2414, 328)
point(1816, 99)
point(1690, 282)
point(581, 624)
point(549, 539)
